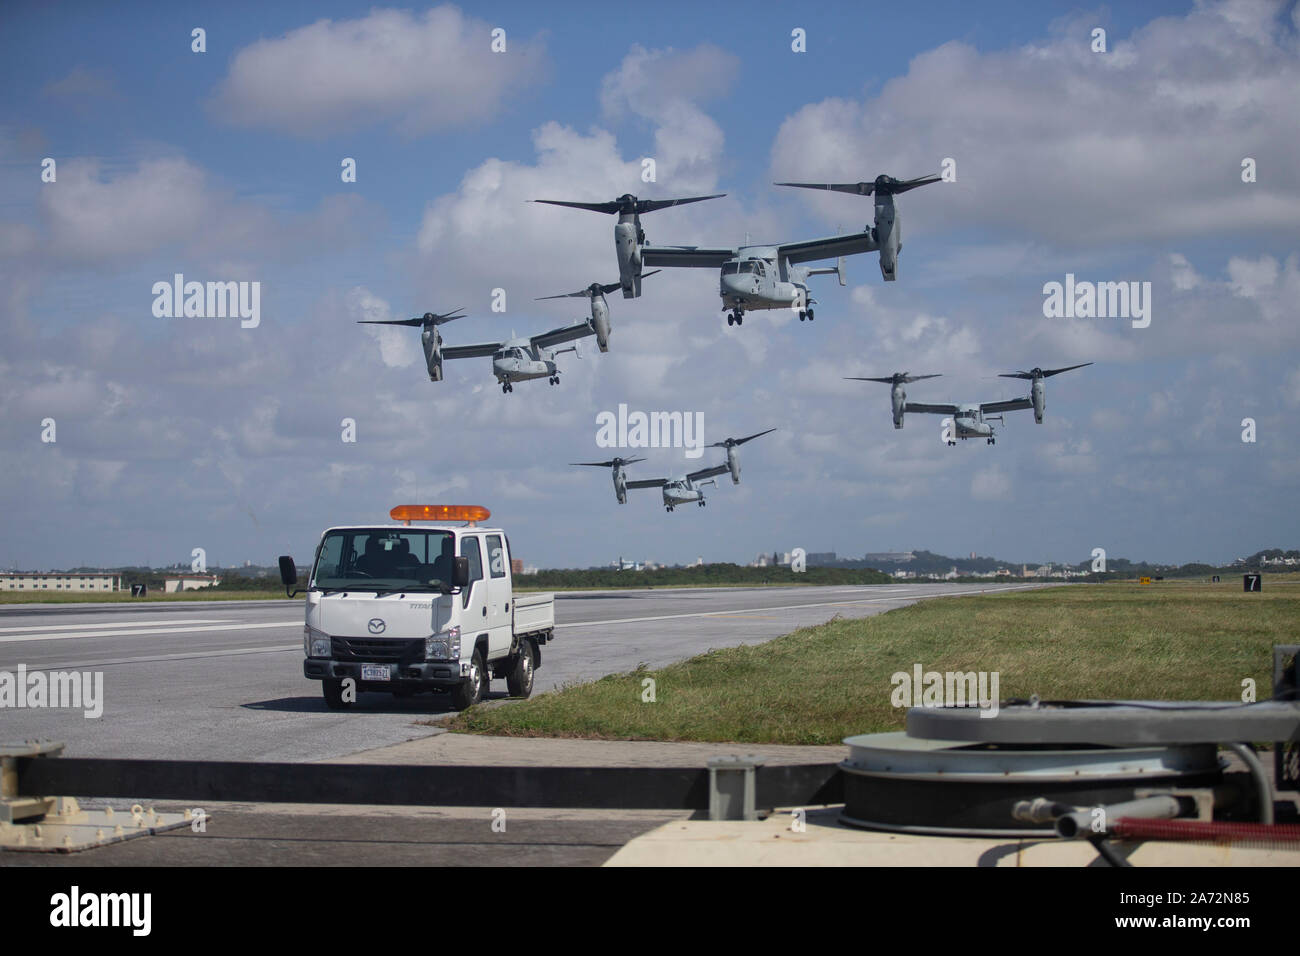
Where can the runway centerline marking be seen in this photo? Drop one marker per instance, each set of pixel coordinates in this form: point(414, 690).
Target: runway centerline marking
point(87, 627)
point(163, 632)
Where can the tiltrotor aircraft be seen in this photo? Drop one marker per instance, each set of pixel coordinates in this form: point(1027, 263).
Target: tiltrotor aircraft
point(514, 360)
point(595, 293)
point(678, 489)
point(629, 237)
point(971, 420)
point(887, 234)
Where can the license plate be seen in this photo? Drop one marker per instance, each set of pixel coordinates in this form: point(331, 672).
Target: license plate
point(376, 672)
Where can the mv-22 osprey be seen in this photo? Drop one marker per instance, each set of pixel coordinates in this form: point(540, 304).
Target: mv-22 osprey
point(969, 419)
point(517, 359)
point(679, 489)
point(758, 277)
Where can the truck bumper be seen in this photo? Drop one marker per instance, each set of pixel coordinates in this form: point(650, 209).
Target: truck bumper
point(418, 674)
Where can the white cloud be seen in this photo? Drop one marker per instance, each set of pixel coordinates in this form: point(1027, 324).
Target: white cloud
point(419, 73)
point(1054, 141)
point(990, 484)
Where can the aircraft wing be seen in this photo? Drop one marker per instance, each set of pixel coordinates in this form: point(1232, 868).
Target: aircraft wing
point(708, 472)
point(470, 351)
point(931, 409)
point(688, 257)
point(648, 483)
point(566, 334)
point(1014, 404)
point(832, 247)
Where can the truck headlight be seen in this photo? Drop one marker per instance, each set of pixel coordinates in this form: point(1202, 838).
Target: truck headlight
point(444, 646)
point(315, 643)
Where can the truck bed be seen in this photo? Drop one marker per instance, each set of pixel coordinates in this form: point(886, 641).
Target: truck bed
point(534, 612)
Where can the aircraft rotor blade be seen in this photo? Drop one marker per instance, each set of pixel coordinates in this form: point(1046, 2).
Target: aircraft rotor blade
point(628, 204)
point(605, 207)
point(882, 184)
point(732, 442)
point(897, 186)
point(857, 189)
point(612, 463)
point(587, 293)
point(1048, 372)
point(650, 205)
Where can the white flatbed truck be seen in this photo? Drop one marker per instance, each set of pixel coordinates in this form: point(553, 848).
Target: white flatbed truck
point(402, 609)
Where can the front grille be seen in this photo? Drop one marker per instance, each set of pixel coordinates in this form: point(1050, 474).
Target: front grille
point(376, 649)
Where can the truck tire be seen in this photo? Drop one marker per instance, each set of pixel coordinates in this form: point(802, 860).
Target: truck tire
point(472, 688)
point(333, 690)
point(520, 679)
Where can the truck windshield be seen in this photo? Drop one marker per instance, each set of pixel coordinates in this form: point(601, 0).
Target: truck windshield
point(384, 559)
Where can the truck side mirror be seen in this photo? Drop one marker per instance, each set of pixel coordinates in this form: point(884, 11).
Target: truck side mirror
point(460, 572)
point(288, 574)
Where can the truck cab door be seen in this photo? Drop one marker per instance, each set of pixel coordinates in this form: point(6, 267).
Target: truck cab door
point(474, 597)
point(499, 595)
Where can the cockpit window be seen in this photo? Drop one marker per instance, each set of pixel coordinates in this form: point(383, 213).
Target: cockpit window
point(747, 266)
point(730, 268)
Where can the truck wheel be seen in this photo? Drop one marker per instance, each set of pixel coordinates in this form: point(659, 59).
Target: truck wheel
point(333, 690)
point(520, 679)
point(472, 688)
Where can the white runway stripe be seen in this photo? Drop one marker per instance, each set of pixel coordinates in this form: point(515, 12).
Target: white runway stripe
point(163, 632)
point(88, 627)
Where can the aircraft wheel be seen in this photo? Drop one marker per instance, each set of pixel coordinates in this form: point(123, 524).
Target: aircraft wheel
point(803, 316)
point(731, 319)
point(810, 315)
point(740, 318)
point(504, 389)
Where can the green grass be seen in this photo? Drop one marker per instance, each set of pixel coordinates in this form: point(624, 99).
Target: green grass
point(124, 597)
point(1171, 640)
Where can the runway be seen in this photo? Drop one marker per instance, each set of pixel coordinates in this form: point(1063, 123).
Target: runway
point(223, 680)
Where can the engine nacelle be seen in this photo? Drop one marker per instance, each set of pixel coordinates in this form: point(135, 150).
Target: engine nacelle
point(733, 465)
point(1038, 395)
point(898, 400)
point(600, 321)
point(888, 235)
point(620, 485)
point(432, 342)
point(627, 243)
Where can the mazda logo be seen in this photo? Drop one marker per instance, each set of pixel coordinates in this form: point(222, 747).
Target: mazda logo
point(376, 625)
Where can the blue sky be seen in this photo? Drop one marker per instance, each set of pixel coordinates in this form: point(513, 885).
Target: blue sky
point(174, 434)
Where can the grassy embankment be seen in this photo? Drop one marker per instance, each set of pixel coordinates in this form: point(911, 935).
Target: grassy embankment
point(1171, 640)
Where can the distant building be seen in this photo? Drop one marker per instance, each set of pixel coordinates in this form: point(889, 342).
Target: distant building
point(820, 558)
point(889, 557)
point(516, 566)
point(54, 581)
point(189, 582)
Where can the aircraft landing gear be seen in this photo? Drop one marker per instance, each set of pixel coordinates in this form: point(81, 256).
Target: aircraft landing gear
point(668, 507)
point(806, 315)
point(506, 387)
point(951, 444)
point(737, 317)
point(810, 315)
point(992, 442)
point(555, 380)
point(701, 503)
